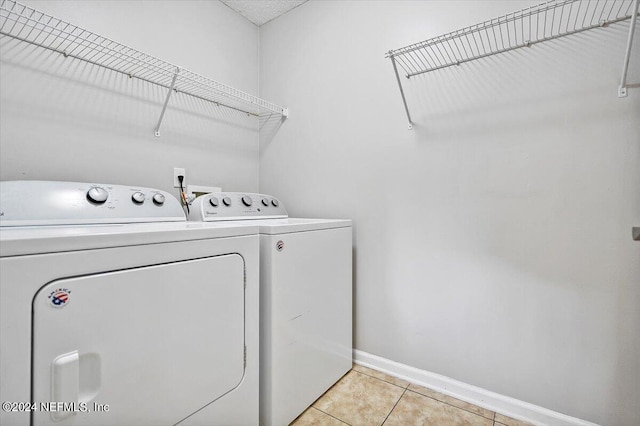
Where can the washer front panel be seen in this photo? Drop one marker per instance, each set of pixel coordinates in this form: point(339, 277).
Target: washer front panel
point(306, 319)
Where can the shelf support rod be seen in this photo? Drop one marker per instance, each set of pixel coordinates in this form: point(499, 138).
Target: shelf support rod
point(404, 100)
point(622, 90)
point(166, 102)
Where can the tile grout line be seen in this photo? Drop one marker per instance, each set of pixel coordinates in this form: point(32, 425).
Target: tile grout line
point(340, 420)
point(405, 389)
point(394, 406)
point(383, 380)
point(455, 406)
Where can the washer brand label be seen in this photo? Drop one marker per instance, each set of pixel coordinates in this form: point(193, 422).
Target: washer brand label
point(59, 297)
point(280, 245)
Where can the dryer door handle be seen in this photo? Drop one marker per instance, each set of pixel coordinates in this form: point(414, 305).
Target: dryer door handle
point(65, 382)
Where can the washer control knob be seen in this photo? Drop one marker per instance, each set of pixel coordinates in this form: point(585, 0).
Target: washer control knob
point(97, 195)
point(214, 201)
point(275, 203)
point(158, 199)
point(246, 200)
point(137, 197)
point(265, 202)
point(226, 201)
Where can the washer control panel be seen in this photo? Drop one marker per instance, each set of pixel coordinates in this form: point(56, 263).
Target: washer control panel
point(236, 206)
point(26, 203)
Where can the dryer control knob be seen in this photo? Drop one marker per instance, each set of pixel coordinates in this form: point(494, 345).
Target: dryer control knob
point(214, 201)
point(158, 199)
point(226, 201)
point(275, 203)
point(137, 197)
point(265, 202)
point(97, 195)
point(246, 200)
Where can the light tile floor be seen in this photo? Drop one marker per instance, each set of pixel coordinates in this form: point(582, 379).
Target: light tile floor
point(366, 397)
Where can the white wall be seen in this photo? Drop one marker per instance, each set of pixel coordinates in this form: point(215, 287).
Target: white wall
point(493, 242)
point(63, 119)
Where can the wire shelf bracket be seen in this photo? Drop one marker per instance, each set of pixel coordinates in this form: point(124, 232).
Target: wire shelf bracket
point(32, 26)
point(525, 28)
point(166, 102)
point(622, 90)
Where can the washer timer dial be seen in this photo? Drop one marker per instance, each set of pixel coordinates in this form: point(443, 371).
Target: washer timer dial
point(97, 195)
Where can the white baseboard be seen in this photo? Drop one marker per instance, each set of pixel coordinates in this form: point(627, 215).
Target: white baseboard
point(481, 397)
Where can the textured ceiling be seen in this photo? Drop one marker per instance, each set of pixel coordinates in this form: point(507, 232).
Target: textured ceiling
point(262, 11)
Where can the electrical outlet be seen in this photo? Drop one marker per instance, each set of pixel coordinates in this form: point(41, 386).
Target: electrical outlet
point(179, 172)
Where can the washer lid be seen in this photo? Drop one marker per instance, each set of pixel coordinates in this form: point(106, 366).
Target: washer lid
point(288, 225)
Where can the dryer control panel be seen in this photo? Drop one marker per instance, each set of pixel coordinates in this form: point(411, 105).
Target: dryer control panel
point(37, 203)
point(236, 206)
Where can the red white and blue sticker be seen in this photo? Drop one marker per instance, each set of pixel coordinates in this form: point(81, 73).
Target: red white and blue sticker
point(59, 298)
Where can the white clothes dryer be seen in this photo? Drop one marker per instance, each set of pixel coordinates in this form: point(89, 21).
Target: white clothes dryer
point(305, 299)
point(116, 311)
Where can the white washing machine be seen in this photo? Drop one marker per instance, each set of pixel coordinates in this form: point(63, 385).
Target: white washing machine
point(305, 297)
point(105, 321)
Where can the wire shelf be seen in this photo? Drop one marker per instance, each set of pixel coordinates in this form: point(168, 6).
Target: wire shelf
point(38, 28)
point(536, 24)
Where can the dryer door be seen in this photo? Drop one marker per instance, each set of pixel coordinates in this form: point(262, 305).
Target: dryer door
point(143, 346)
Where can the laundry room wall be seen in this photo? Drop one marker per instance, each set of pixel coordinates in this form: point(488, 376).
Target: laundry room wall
point(64, 119)
point(493, 241)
